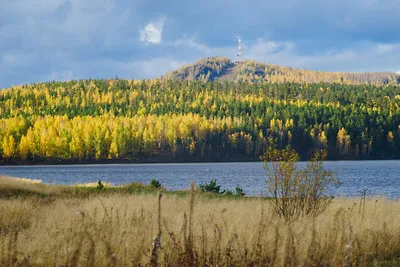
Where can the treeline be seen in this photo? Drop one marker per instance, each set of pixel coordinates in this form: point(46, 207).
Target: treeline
point(109, 137)
point(123, 119)
point(252, 71)
point(221, 68)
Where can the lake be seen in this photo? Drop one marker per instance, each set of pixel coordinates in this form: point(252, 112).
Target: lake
point(382, 178)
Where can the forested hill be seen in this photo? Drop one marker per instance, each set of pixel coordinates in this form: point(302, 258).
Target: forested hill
point(221, 68)
point(150, 121)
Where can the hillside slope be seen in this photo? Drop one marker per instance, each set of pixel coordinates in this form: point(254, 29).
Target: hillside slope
point(221, 68)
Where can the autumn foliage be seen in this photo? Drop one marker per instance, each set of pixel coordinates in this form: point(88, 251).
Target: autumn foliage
point(124, 119)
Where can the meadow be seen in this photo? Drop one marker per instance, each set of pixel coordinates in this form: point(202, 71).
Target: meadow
point(49, 225)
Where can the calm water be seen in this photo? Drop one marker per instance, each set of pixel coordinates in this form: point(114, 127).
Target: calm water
point(380, 177)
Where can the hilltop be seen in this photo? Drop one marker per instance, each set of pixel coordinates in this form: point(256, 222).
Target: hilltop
point(221, 68)
point(100, 120)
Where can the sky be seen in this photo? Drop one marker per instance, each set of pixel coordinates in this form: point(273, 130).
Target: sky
point(45, 40)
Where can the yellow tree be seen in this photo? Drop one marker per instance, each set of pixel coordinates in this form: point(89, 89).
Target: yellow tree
point(88, 139)
point(76, 145)
point(390, 138)
point(290, 136)
point(184, 132)
point(30, 139)
point(52, 146)
point(248, 143)
point(343, 141)
point(233, 140)
point(323, 140)
point(99, 140)
point(192, 147)
point(23, 147)
point(113, 153)
point(123, 137)
point(260, 142)
point(44, 140)
point(8, 146)
point(119, 141)
point(171, 135)
point(347, 144)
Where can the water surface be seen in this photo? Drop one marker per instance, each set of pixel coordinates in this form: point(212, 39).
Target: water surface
point(380, 177)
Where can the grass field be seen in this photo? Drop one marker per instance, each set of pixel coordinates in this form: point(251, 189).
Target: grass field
point(42, 225)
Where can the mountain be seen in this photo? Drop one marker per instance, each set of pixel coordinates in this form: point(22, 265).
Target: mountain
point(221, 68)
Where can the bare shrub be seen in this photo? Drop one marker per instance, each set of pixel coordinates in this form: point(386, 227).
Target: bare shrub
point(297, 192)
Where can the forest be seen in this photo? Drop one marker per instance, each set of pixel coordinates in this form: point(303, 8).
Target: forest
point(175, 120)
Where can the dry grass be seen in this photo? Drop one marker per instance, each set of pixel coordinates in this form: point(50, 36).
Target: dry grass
point(19, 183)
point(18, 187)
point(93, 185)
point(10, 186)
point(148, 230)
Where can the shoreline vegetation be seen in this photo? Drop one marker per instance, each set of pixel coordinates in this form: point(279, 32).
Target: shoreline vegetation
point(46, 225)
point(11, 187)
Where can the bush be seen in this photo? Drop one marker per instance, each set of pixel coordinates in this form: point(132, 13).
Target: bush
point(211, 187)
point(228, 192)
point(297, 192)
point(99, 186)
point(239, 191)
point(155, 183)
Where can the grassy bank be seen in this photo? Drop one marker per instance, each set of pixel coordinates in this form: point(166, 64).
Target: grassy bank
point(42, 225)
point(11, 187)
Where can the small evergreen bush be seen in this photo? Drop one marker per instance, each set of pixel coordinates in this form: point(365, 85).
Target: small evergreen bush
point(239, 191)
point(211, 187)
point(100, 185)
point(155, 183)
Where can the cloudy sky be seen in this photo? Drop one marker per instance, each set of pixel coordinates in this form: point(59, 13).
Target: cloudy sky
point(42, 40)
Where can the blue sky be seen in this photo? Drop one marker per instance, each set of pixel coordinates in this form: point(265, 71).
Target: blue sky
point(42, 40)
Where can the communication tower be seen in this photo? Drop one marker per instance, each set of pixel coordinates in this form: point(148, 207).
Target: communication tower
point(240, 51)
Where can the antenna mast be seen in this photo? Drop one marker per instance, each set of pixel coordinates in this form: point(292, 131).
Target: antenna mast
point(240, 51)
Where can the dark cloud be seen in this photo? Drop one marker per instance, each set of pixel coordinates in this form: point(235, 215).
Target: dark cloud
point(64, 39)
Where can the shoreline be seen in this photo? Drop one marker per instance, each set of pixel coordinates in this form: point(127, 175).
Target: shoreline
point(23, 186)
point(59, 162)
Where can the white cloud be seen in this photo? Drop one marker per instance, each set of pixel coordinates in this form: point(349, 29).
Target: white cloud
point(384, 48)
point(152, 32)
